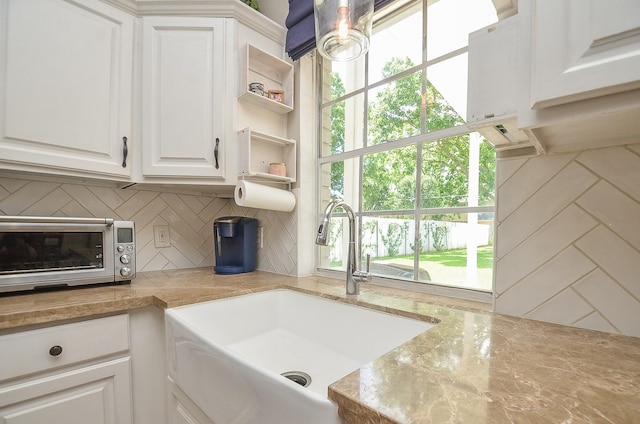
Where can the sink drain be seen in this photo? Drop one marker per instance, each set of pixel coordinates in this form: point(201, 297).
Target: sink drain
point(302, 378)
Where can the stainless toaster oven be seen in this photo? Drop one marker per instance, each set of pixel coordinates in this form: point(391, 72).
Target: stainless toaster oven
point(45, 252)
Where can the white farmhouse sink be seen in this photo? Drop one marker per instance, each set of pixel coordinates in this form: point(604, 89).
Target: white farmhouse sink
point(227, 355)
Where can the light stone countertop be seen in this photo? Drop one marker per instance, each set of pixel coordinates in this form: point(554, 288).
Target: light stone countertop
point(473, 366)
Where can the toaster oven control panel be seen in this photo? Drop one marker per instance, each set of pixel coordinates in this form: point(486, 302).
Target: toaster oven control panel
point(125, 252)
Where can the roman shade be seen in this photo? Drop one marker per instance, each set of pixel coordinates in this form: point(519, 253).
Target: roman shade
point(301, 31)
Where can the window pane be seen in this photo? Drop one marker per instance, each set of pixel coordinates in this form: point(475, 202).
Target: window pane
point(395, 37)
point(486, 171)
point(457, 249)
point(395, 108)
point(339, 181)
point(342, 126)
point(447, 93)
point(451, 179)
point(333, 256)
point(390, 240)
point(340, 78)
point(449, 23)
point(389, 180)
point(445, 172)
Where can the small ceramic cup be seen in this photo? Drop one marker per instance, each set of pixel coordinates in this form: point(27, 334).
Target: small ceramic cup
point(278, 168)
point(257, 87)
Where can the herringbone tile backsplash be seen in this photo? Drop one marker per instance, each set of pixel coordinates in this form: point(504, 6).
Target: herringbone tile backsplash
point(190, 219)
point(568, 239)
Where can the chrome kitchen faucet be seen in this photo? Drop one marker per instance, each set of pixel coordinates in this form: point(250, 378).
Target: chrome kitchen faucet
point(354, 275)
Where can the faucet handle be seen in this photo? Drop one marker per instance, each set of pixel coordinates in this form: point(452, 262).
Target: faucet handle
point(363, 275)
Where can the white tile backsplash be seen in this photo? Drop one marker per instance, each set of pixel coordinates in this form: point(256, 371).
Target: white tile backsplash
point(548, 241)
point(543, 205)
point(614, 256)
point(190, 219)
point(568, 239)
point(620, 166)
point(595, 321)
point(611, 301)
point(614, 209)
point(567, 307)
point(517, 187)
point(549, 280)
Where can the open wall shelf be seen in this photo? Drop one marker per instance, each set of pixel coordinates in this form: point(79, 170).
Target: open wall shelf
point(258, 150)
point(276, 74)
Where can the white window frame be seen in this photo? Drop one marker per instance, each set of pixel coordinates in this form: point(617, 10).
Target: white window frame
point(358, 155)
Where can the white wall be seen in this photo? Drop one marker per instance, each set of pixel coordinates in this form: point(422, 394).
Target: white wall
point(568, 239)
point(277, 10)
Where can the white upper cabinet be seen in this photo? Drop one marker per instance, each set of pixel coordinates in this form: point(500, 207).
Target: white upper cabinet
point(184, 102)
point(583, 49)
point(65, 96)
point(580, 84)
point(493, 81)
point(136, 92)
point(575, 84)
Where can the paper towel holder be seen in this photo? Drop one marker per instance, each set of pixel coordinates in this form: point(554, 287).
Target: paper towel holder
point(257, 180)
point(267, 181)
point(262, 196)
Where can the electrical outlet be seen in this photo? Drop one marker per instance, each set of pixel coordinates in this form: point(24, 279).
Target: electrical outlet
point(161, 236)
point(260, 237)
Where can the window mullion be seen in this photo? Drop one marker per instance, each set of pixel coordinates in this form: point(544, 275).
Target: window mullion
point(396, 144)
point(416, 214)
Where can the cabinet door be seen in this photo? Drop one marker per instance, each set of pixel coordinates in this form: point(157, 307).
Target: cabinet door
point(98, 394)
point(66, 98)
point(182, 410)
point(183, 97)
point(583, 49)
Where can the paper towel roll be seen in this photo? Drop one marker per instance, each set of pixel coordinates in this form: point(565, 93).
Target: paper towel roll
point(254, 195)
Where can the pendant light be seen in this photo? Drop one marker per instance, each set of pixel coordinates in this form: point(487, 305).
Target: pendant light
point(343, 28)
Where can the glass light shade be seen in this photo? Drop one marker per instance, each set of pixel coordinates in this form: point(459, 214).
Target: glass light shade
point(343, 28)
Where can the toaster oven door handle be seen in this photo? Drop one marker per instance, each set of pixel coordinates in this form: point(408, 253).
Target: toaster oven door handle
point(56, 220)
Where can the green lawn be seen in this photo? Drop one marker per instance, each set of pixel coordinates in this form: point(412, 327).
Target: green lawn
point(448, 267)
point(452, 257)
point(458, 257)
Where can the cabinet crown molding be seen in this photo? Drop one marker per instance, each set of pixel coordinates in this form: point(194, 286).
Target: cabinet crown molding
point(205, 8)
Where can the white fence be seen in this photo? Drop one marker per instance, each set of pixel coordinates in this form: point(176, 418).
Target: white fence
point(396, 237)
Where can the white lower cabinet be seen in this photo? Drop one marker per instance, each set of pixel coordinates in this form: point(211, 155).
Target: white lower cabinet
point(78, 373)
point(182, 410)
point(97, 394)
